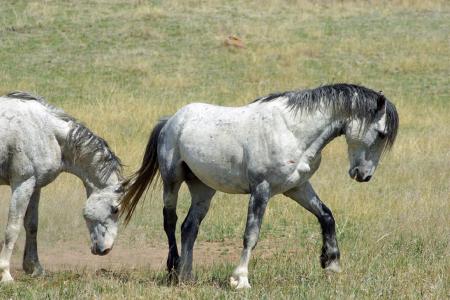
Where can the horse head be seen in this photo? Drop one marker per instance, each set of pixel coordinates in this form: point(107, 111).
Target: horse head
point(101, 214)
point(368, 137)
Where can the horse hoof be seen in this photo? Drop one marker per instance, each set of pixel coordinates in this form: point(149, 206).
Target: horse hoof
point(6, 278)
point(238, 282)
point(186, 278)
point(334, 266)
point(34, 270)
point(38, 271)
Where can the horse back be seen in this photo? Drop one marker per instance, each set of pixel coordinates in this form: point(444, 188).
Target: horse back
point(29, 145)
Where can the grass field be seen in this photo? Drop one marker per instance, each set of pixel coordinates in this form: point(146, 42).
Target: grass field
point(120, 65)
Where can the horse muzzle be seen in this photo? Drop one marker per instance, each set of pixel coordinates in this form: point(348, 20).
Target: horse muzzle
point(100, 250)
point(358, 175)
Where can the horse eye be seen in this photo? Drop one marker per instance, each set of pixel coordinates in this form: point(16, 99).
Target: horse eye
point(382, 135)
point(119, 189)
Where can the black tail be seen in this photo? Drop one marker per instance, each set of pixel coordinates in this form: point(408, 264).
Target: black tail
point(138, 183)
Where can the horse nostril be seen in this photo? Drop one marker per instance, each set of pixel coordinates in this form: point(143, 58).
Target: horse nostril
point(367, 178)
point(104, 252)
point(359, 176)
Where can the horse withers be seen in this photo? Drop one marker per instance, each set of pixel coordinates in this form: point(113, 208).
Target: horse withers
point(37, 142)
point(271, 146)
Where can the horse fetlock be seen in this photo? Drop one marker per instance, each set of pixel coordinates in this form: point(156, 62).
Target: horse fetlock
point(240, 272)
point(330, 252)
point(173, 261)
point(328, 256)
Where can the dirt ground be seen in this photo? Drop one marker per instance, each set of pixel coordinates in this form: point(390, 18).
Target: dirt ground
point(76, 256)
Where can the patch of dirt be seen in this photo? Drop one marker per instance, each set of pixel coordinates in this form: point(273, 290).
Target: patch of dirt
point(77, 256)
point(73, 255)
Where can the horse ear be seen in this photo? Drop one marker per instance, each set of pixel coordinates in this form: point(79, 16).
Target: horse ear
point(381, 102)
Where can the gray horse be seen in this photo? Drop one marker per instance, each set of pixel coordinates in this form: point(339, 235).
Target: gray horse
point(37, 142)
point(271, 146)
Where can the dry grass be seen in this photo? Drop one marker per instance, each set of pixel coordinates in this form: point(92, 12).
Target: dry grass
point(119, 66)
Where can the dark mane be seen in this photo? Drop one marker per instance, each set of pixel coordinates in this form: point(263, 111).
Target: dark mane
point(84, 142)
point(80, 138)
point(347, 99)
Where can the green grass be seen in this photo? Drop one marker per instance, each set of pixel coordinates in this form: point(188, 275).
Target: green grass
point(120, 65)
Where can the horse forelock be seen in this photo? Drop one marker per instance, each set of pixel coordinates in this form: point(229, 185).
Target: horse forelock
point(349, 100)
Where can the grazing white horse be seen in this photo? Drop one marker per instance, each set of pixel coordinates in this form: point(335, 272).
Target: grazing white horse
point(268, 147)
point(37, 142)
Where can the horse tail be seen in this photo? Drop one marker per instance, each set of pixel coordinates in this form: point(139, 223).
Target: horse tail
point(138, 183)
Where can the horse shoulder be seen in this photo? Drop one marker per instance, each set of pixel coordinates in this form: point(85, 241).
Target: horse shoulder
point(32, 145)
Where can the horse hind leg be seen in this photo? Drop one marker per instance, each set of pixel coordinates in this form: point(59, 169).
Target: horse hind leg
point(170, 196)
point(19, 202)
point(172, 174)
point(201, 196)
point(31, 263)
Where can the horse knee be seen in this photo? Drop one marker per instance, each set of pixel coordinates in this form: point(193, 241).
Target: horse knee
point(250, 240)
point(11, 233)
point(189, 228)
point(327, 220)
point(31, 227)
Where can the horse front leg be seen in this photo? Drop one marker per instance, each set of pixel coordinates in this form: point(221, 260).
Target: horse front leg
point(19, 202)
point(306, 197)
point(31, 263)
point(257, 206)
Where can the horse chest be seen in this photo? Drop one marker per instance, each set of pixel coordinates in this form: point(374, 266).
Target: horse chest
point(299, 175)
point(49, 167)
point(41, 158)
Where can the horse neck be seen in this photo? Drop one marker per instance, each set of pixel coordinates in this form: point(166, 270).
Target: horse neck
point(315, 130)
point(87, 167)
point(88, 171)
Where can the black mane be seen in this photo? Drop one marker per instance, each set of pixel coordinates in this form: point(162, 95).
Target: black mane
point(348, 99)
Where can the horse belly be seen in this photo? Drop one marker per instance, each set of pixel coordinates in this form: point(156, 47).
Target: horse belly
point(222, 180)
point(223, 173)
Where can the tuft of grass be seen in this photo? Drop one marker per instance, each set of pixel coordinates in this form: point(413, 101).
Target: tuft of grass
point(119, 66)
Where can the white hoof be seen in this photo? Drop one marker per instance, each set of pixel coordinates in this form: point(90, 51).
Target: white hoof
point(334, 266)
point(239, 282)
point(6, 278)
